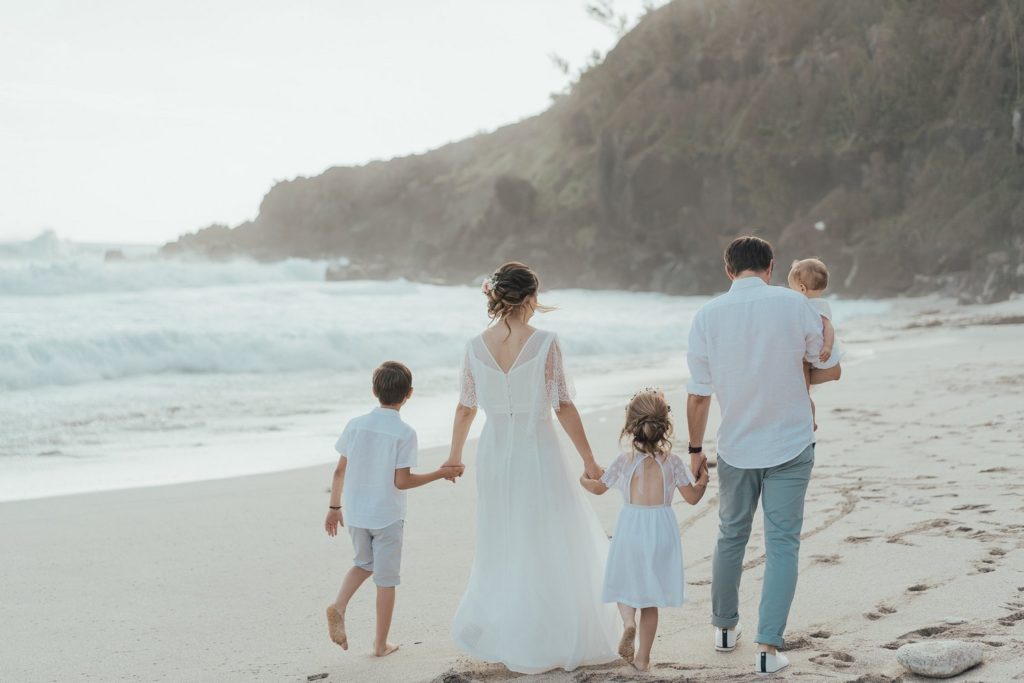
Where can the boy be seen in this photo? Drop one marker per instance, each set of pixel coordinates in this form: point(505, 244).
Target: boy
point(376, 451)
point(809, 276)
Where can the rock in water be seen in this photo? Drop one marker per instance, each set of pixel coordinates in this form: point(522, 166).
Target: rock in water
point(940, 658)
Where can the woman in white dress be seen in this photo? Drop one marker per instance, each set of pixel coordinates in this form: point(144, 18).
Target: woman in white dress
point(533, 602)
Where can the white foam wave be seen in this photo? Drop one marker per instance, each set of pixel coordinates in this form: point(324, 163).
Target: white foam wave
point(71, 277)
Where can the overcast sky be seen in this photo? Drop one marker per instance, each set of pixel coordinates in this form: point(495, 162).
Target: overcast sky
point(137, 120)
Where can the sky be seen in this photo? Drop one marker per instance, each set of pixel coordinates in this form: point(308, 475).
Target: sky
point(139, 120)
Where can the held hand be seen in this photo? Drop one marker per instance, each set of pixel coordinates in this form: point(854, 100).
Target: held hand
point(826, 353)
point(333, 521)
point(593, 471)
point(452, 472)
point(703, 478)
point(698, 461)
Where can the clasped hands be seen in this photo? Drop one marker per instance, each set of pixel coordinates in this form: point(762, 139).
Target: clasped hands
point(451, 470)
point(698, 465)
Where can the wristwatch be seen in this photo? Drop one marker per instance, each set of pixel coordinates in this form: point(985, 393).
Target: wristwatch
point(695, 449)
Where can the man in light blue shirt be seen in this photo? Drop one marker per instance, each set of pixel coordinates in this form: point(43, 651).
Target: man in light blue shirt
point(748, 347)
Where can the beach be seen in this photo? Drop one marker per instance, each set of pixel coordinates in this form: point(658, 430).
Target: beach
point(914, 519)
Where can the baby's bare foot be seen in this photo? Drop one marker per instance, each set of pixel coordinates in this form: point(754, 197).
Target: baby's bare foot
point(627, 643)
point(389, 648)
point(336, 627)
point(642, 665)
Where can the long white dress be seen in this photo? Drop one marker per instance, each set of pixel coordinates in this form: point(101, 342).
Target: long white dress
point(533, 602)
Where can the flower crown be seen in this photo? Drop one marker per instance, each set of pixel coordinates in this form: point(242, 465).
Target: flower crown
point(488, 284)
point(648, 390)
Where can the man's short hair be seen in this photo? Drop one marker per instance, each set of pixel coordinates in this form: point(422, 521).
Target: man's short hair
point(391, 382)
point(748, 253)
point(811, 273)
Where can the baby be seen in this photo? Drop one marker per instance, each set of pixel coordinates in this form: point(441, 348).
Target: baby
point(809, 276)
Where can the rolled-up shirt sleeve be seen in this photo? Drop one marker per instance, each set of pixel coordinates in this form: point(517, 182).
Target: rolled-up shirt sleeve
point(700, 383)
point(814, 339)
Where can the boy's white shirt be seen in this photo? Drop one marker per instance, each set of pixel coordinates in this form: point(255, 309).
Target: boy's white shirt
point(375, 445)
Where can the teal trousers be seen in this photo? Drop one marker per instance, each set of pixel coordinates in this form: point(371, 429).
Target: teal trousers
point(781, 489)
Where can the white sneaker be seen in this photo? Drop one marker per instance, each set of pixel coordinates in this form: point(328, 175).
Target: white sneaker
point(770, 663)
point(725, 638)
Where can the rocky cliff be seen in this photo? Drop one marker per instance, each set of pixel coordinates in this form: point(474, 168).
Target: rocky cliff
point(877, 134)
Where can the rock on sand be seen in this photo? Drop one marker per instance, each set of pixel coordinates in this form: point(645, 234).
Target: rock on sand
point(940, 658)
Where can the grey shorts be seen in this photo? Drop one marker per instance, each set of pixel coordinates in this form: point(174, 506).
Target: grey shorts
point(379, 551)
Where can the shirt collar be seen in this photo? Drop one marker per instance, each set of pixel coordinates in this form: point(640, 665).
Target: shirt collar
point(385, 411)
point(747, 282)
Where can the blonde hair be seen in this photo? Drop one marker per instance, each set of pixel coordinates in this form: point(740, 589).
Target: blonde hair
point(648, 424)
point(811, 273)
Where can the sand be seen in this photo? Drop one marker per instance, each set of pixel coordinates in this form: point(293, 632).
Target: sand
point(914, 515)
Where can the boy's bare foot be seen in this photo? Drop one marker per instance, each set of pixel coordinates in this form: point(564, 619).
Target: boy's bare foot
point(641, 665)
point(627, 643)
point(389, 648)
point(336, 627)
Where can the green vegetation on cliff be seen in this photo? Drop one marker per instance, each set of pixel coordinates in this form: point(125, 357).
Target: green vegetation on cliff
point(888, 123)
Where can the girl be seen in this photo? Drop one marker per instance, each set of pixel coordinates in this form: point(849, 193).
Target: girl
point(645, 561)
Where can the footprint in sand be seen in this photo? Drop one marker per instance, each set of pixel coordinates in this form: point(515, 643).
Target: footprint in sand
point(880, 611)
point(1011, 619)
point(858, 539)
point(916, 635)
point(837, 660)
point(825, 559)
point(918, 588)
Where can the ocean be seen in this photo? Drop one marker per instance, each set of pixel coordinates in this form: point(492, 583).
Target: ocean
point(151, 371)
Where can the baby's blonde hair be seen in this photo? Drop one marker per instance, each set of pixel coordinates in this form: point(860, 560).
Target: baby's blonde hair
point(648, 423)
point(811, 273)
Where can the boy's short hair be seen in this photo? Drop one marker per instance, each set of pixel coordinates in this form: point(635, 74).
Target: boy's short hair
point(391, 382)
point(811, 273)
point(748, 253)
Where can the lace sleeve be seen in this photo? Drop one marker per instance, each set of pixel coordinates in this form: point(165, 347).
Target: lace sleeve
point(613, 474)
point(681, 473)
point(467, 385)
point(559, 386)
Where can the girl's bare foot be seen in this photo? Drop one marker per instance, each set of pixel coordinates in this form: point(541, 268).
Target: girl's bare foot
point(336, 627)
point(640, 665)
point(627, 643)
point(388, 649)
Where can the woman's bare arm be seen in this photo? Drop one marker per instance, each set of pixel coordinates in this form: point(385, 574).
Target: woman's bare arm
point(571, 422)
point(464, 416)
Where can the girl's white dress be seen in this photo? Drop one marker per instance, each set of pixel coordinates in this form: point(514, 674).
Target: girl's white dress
point(533, 601)
point(645, 562)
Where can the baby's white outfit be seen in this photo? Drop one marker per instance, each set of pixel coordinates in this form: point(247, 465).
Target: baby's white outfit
point(825, 310)
point(645, 561)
